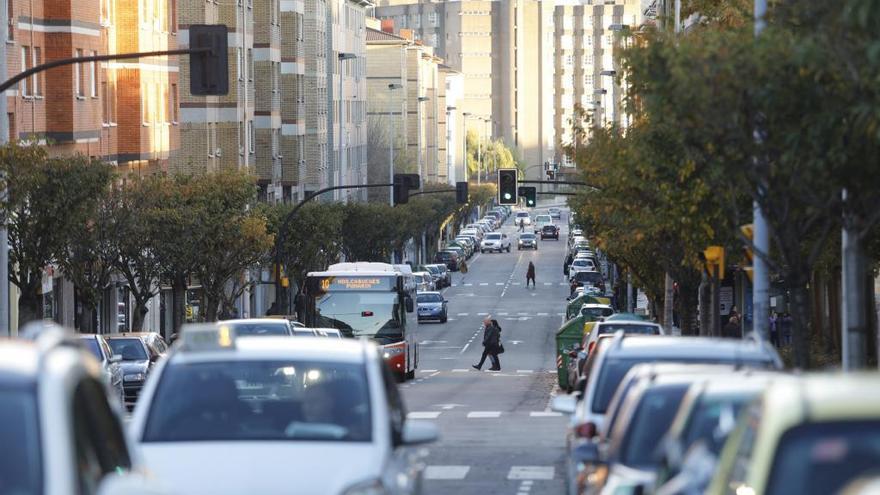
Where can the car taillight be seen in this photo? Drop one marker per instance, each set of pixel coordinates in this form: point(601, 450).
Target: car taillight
point(366, 313)
point(590, 347)
point(586, 430)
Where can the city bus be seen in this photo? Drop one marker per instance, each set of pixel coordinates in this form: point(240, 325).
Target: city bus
point(366, 300)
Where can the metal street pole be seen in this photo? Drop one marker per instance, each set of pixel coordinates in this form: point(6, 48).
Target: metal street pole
point(854, 324)
point(761, 234)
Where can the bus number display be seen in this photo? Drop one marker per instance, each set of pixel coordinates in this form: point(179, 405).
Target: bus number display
point(330, 284)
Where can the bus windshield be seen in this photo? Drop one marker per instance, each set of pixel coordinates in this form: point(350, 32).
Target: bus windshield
point(361, 314)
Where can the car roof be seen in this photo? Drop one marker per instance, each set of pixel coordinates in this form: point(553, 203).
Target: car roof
point(281, 347)
point(421, 292)
point(827, 396)
point(255, 320)
point(627, 322)
point(127, 335)
point(670, 347)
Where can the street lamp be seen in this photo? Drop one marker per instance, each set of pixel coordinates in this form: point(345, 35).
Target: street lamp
point(391, 88)
point(341, 168)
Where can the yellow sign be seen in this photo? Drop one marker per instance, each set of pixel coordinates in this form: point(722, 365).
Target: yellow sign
point(715, 258)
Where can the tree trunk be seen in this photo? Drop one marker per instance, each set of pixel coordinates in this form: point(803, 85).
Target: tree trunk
point(138, 315)
point(212, 306)
point(800, 309)
point(178, 302)
point(668, 303)
point(87, 319)
point(705, 310)
point(30, 305)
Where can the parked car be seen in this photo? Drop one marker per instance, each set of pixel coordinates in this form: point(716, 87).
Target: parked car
point(140, 352)
point(332, 333)
point(262, 327)
point(462, 255)
point(465, 247)
point(584, 278)
point(527, 241)
point(809, 435)
point(431, 306)
point(549, 231)
point(111, 364)
point(436, 275)
point(424, 281)
point(496, 241)
point(61, 432)
point(448, 258)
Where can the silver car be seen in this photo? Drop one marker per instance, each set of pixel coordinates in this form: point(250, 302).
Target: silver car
point(111, 364)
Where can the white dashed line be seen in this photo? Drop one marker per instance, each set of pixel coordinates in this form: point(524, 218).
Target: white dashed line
point(482, 314)
point(484, 283)
point(503, 314)
point(524, 371)
point(531, 473)
point(483, 414)
point(542, 314)
point(544, 414)
point(446, 472)
point(423, 415)
point(468, 285)
point(459, 370)
point(463, 314)
point(499, 283)
point(427, 371)
point(548, 283)
point(516, 283)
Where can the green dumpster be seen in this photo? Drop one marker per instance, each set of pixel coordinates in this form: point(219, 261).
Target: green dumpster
point(571, 332)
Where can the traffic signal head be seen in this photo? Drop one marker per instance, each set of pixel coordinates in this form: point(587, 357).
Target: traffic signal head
point(208, 69)
point(507, 184)
point(530, 194)
point(461, 192)
point(403, 184)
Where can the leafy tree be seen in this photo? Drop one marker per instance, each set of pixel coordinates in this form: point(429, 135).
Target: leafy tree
point(48, 199)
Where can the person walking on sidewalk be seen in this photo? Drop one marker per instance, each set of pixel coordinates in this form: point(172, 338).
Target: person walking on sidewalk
point(530, 275)
point(491, 343)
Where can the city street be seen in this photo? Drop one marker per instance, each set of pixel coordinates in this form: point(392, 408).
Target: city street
point(497, 433)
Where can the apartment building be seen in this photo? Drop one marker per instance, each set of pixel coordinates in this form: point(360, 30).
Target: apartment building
point(587, 72)
point(451, 146)
point(217, 132)
point(124, 112)
point(293, 102)
point(504, 51)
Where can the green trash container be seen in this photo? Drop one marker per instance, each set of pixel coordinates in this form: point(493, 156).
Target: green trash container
point(571, 332)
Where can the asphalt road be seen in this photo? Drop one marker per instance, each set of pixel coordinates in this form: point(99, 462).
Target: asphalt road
point(497, 432)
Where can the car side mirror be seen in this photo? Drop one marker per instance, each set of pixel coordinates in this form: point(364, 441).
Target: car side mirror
point(409, 304)
point(115, 358)
point(588, 453)
point(416, 432)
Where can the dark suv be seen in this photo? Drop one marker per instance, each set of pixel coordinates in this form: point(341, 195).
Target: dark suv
point(550, 232)
point(589, 278)
point(448, 258)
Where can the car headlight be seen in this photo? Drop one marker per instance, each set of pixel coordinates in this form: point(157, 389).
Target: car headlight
point(135, 377)
point(392, 351)
point(369, 487)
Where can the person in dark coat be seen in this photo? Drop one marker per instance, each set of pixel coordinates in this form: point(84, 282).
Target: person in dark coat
point(491, 342)
point(530, 275)
point(731, 329)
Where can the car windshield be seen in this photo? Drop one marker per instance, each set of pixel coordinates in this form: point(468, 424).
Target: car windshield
point(614, 369)
point(527, 236)
point(597, 312)
point(261, 400)
point(91, 344)
point(129, 349)
point(634, 329)
point(20, 473)
point(653, 415)
point(443, 255)
point(702, 425)
point(429, 298)
point(543, 218)
point(361, 314)
point(432, 269)
point(582, 262)
point(591, 277)
point(261, 329)
point(549, 227)
point(493, 237)
point(825, 457)
point(521, 214)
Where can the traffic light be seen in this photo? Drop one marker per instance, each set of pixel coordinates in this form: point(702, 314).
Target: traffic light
point(531, 195)
point(208, 70)
point(461, 192)
point(507, 182)
point(403, 184)
point(748, 230)
point(714, 257)
point(551, 174)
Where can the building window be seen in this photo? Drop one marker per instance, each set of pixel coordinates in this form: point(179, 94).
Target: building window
point(432, 19)
point(175, 105)
point(93, 77)
point(105, 104)
point(10, 21)
point(250, 64)
point(37, 78)
point(79, 77)
point(25, 86)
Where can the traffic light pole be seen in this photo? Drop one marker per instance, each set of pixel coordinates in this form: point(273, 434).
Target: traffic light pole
point(281, 302)
point(438, 191)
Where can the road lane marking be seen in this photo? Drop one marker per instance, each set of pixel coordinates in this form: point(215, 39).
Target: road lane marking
point(548, 283)
point(460, 370)
point(423, 415)
point(463, 314)
point(468, 285)
point(484, 283)
point(483, 414)
point(524, 371)
point(503, 314)
point(544, 414)
point(427, 371)
point(531, 473)
point(516, 283)
point(482, 314)
point(542, 314)
point(446, 472)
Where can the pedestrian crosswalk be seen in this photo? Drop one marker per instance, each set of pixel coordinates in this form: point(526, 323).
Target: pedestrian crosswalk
point(502, 313)
point(527, 475)
point(484, 284)
point(458, 413)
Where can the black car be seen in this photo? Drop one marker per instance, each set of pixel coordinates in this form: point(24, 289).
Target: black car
point(595, 279)
point(139, 351)
point(550, 232)
point(448, 258)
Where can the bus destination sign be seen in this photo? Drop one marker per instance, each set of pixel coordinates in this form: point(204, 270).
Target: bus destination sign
point(366, 283)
